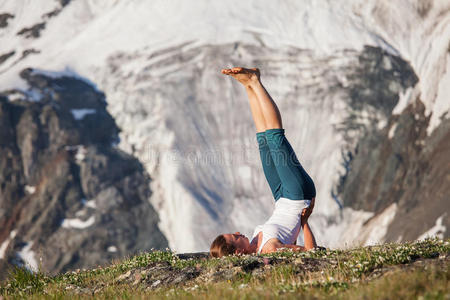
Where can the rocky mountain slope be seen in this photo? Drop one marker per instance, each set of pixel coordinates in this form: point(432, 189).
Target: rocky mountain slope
point(363, 89)
point(69, 198)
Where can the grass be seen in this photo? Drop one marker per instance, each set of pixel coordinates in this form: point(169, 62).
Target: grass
point(407, 270)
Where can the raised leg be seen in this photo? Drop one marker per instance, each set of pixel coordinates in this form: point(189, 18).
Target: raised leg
point(258, 117)
point(250, 78)
point(255, 107)
point(269, 108)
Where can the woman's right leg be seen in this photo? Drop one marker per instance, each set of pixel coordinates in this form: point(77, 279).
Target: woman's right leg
point(269, 109)
point(258, 117)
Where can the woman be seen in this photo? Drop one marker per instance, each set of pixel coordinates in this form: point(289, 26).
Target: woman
point(291, 186)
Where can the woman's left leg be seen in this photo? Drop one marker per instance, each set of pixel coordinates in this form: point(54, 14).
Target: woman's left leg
point(269, 167)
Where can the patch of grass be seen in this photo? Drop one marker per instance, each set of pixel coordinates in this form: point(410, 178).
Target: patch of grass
point(24, 282)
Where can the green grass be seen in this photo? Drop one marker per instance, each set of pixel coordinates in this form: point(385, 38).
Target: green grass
point(390, 271)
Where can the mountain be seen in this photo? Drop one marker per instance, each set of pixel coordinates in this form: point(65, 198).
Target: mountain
point(363, 89)
point(69, 197)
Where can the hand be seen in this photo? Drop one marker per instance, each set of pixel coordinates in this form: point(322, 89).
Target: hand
point(306, 212)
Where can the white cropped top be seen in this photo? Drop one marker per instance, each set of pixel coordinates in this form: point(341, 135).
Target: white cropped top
point(284, 224)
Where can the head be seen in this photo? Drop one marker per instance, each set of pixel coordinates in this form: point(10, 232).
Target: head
point(228, 244)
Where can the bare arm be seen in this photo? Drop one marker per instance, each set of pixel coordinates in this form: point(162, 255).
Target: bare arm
point(308, 237)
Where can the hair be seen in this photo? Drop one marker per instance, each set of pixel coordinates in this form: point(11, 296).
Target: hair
point(220, 247)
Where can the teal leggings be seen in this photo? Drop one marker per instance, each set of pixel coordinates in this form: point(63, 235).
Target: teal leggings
point(283, 171)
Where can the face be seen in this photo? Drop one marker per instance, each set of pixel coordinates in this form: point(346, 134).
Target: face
point(239, 240)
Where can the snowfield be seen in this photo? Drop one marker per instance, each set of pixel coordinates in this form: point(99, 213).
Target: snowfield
point(158, 63)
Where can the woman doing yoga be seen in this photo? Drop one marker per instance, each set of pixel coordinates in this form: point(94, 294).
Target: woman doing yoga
point(291, 186)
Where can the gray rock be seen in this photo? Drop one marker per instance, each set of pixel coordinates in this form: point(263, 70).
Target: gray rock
point(33, 31)
point(4, 19)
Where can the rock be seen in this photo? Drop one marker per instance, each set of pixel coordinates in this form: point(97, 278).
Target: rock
point(5, 56)
point(33, 31)
point(4, 19)
point(124, 276)
point(155, 284)
point(196, 255)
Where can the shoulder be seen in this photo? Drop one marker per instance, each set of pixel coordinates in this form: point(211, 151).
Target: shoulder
point(256, 239)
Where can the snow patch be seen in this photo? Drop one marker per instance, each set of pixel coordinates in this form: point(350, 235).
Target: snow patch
point(112, 249)
point(29, 257)
point(91, 204)
point(16, 96)
point(404, 99)
point(25, 95)
point(77, 223)
point(392, 131)
point(81, 154)
point(441, 106)
point(30, 189)
point(437, 230)
point(346, 229)
point(80, 113)
point(376, 229)
point(5, 244)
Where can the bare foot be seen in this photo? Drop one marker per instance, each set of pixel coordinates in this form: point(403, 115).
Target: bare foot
point(243, 75)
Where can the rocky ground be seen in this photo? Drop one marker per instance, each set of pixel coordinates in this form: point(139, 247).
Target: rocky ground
point(317, 273)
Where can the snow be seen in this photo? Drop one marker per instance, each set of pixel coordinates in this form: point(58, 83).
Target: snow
point(29, 257)
point(245, 172)
point(77, 223)
point(5, 244)
point(392, 131)
point(30, 189)
point(441, 106)
point(437, 230)
point(91, 204)
point(376, 229)
point(80, 113)
point(345, 232)
point(16, 96)
point(80, 154)
point(112, 249)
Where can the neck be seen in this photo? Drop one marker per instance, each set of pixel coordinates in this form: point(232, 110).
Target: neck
point(253, 247)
